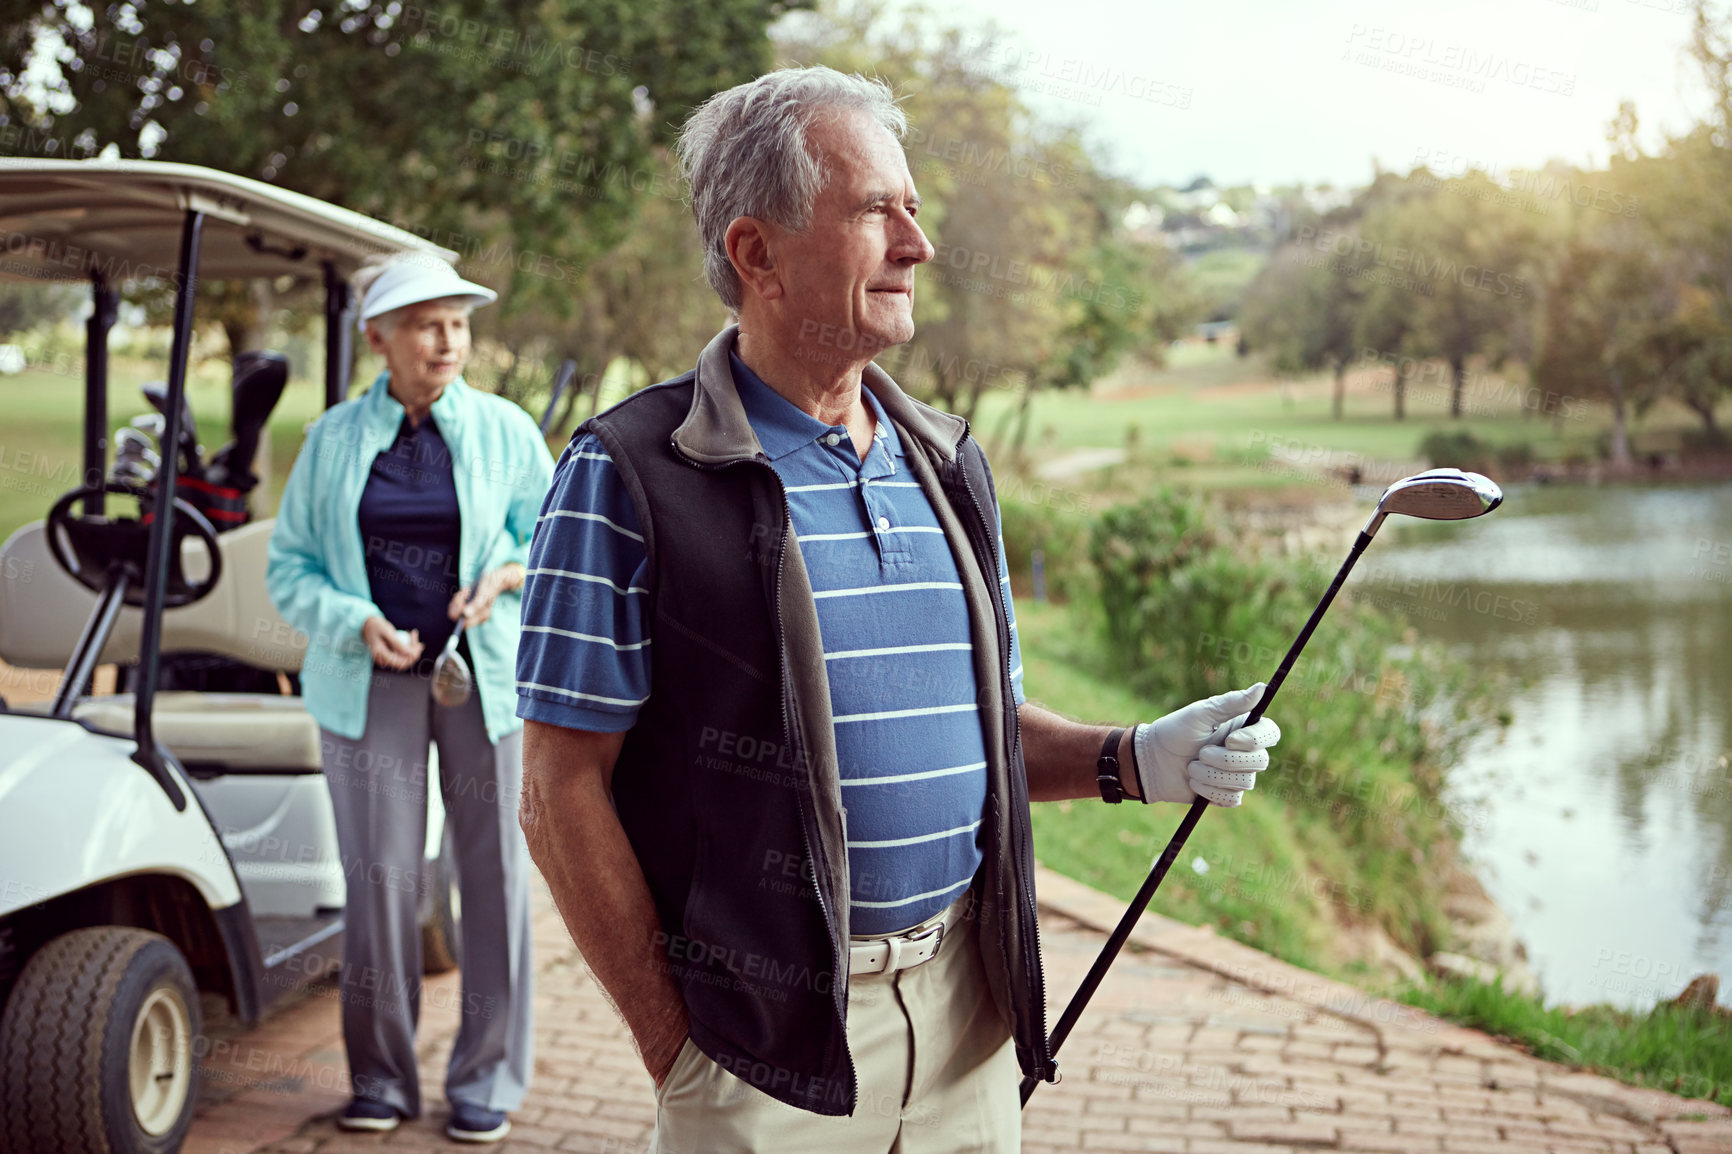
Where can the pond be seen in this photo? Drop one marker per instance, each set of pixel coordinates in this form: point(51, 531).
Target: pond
point(1600, 817)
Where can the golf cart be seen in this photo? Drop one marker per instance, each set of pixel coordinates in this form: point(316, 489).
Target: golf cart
point(162, 844)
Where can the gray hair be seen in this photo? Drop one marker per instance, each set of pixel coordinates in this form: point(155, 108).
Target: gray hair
point(386, 323)
point(747, 152)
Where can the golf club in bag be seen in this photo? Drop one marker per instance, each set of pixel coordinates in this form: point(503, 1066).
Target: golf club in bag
point(1437, 495)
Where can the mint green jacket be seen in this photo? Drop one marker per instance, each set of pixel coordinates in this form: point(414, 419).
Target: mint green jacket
point(318, 571)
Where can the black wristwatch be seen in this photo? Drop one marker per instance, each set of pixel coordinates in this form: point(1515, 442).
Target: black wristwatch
point(1107, 769)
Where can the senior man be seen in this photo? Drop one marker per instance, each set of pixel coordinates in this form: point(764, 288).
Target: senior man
point(777, 755)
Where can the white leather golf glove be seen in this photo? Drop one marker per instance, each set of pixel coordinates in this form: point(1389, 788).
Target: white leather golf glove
point(1201, 751)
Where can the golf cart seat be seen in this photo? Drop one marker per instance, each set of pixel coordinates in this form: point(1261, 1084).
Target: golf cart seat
point(237, 732)
point(43, 611)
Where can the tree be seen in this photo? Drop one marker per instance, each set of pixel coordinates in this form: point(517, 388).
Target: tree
point(1608, 306)
point(1456, 264)
point(1682, 192)
point(1305, 313)
point(515, 133)
point(644, 301)
point(1314, 305)
point(25, 305)
point(1693, 355)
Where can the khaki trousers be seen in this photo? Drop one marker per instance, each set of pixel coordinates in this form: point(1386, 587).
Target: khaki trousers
point(934, 1062)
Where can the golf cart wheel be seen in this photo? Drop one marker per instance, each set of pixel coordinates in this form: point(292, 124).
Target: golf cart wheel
point(441, 950)
point(96, 1047)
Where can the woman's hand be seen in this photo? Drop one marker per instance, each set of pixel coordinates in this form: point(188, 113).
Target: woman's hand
point(389, 649)
point(501, 580)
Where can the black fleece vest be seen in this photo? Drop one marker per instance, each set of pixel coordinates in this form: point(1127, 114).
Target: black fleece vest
point(715, 790)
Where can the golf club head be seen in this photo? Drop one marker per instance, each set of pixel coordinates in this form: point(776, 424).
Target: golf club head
point(258, 384)
point(452, 681)
point(156, 392)
point(135, 457)
point(1437, 495)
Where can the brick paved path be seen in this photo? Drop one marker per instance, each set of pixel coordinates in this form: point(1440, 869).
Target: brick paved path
point(1194, 1044)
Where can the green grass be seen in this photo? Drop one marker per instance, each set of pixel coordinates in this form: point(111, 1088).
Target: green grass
point(1211, 419)
point(1682, 1051)
point(1277, 878)
point(1276, 882)
point(41, 454)
point(1208, 420)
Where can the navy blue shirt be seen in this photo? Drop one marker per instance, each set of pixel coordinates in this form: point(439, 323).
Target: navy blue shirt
point(898, 648)
point(410, 525)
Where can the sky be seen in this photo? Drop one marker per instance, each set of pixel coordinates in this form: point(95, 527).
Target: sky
point(1315, 91)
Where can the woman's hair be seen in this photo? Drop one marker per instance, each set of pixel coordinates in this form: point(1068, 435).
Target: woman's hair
point(386, 323)
point(746, 152)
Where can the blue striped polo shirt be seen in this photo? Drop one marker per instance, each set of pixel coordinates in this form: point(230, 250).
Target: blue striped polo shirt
point(891, 616)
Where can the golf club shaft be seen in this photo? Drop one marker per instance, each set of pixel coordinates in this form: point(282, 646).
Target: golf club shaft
point(1359, 545)
point(1122, 932)
point(462, 618)
point(561, 381)
point(457, 633)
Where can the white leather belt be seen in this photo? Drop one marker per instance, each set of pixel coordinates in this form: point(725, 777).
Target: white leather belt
point(887, 954)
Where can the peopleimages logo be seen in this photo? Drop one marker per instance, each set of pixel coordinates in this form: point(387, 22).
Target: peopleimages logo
point(986, 267)
point(141, 58)
point(524, 49)
point(989, 159)
point(1401, 259)
point(1454, 65)
point(1072, 77)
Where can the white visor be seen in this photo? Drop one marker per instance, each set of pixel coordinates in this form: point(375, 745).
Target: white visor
point(411, 280)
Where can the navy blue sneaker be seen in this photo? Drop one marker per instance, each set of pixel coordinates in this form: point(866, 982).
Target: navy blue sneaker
point(366, 1114)
point(474, 1124)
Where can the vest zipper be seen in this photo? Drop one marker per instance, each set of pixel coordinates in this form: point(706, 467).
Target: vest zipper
point(1031, 942)
point(839, 988)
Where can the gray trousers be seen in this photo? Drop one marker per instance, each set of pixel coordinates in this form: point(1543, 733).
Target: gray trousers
point(379, 794)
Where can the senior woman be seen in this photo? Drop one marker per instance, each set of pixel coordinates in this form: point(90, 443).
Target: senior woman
point(399, 500)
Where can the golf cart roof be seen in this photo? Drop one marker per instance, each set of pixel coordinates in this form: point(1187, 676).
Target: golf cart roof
point(60, 219)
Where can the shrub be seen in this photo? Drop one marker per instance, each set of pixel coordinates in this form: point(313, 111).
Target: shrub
point(1457, 449)
point(1515, 458)
point(1185, 617)
point(1460, 449)
point(1059, 529)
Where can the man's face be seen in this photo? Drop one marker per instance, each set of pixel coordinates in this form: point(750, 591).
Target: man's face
point(428, 348)
point(850, 276)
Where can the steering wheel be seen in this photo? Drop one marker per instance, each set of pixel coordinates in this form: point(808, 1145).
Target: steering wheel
point(100, 544)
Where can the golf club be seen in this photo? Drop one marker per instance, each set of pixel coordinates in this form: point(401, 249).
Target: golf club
point(561, 381)
point(1435, 495)
point(156, 392)
point(259, 378)
point(452, 679)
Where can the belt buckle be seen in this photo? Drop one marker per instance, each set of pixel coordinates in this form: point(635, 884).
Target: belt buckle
point(937, 928)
